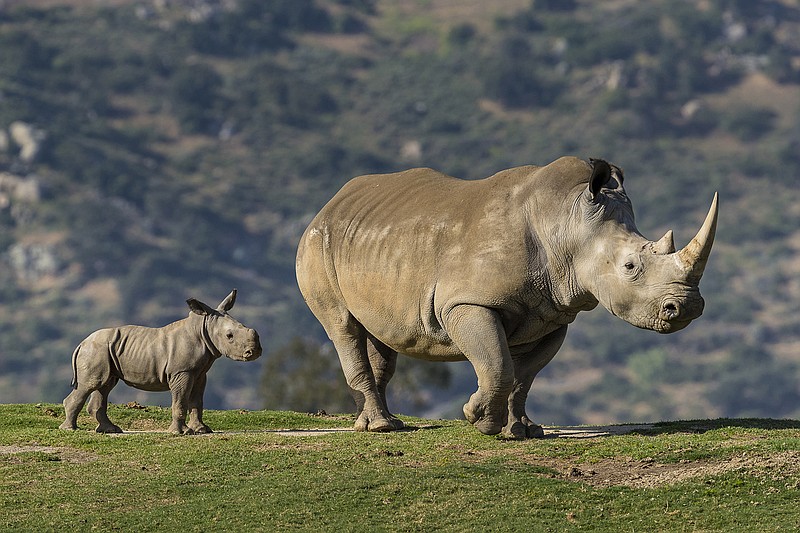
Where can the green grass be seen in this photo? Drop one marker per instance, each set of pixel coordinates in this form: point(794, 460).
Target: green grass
point(441, 475)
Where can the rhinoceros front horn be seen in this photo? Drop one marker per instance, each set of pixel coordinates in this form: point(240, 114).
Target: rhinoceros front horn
point(694, 256)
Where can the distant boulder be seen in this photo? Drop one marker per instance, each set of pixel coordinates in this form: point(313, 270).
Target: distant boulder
point(18, 189)
point(34, 261)
point(28, 138)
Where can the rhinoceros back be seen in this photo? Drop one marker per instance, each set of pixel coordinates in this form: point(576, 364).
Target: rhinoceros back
point(140, 356)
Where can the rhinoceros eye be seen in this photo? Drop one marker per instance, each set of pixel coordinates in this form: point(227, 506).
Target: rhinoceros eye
point(632, 267)
point(229, 334)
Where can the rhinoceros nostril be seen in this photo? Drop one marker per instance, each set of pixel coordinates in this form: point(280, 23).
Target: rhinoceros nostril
point(671, 310)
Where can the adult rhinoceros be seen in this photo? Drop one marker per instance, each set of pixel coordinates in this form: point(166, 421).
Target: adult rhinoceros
point(491, 271)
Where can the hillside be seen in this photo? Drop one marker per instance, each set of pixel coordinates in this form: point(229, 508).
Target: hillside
point(153, 151)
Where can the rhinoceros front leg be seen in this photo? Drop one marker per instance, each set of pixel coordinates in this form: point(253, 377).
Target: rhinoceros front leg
point(479, 334)
point(196, 406)
point(526, 367)
point(180, 385)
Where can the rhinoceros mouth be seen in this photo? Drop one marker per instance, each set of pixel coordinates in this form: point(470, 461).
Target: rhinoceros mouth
point(660, 324)
point(251, 353)
point(669, 326)
point(248, 354)
point(678, 312)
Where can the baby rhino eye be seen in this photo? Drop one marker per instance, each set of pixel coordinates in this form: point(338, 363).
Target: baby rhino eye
point(629, 265)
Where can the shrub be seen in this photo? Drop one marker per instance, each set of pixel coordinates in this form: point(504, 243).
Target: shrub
point(749, 123)
point(195, 96)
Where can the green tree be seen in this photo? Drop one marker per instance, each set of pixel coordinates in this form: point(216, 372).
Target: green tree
point(305, 376)
point(195, 97)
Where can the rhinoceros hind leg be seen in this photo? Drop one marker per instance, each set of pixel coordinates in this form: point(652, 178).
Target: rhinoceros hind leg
point(318, 283)
point(350, 340)
point(98, 408)
point(526, 367)
point(383, 361)
point(73, 404)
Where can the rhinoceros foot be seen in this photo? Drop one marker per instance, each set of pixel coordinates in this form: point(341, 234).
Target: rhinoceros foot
point(180, 429)
point(108, 428)
point(377, 421)
point(477, 413)
point(523, 429)
point(201, 429)
point(68, 426)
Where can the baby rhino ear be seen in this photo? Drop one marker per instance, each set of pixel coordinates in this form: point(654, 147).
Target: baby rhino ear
point(199, 308)
point(227, 304)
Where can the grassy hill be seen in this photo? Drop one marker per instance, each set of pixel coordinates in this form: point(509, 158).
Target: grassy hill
point(150, 152)
point(253, 474)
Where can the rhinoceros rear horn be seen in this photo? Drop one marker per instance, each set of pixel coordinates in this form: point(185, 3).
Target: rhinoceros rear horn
point(664, 245)
point(694, 256)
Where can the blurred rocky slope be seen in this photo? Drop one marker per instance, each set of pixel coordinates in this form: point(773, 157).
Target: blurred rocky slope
point(155, 150)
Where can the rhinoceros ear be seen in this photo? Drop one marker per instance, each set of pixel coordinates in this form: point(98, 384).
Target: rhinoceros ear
point(601, 173)
point(227, 304)
point(618, 174)
point(199, 308)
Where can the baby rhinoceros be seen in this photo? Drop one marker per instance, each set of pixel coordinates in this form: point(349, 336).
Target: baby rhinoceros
point(175, 358)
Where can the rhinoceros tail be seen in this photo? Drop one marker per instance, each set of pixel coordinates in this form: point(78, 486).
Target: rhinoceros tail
point(74, 383)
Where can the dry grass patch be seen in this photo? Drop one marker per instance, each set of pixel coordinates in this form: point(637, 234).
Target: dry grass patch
point(34, 453)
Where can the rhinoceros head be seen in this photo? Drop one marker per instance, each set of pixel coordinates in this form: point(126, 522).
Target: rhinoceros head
point(646, 283)
point(224, 334)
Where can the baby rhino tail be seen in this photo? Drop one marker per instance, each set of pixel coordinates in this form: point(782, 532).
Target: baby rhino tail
point(75, 367)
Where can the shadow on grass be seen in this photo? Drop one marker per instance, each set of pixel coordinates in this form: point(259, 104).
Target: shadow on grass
point(288, 432)
point(664, 428)
point(701, 426)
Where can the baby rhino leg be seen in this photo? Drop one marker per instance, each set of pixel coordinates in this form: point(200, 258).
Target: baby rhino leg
point(92, 377)
point(98, 408)
point(180, 385)
point(73, 404)
point(196, 423)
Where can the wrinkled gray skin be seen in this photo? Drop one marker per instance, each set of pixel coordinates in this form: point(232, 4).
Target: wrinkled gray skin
point(175, 358)
point(491, 271)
